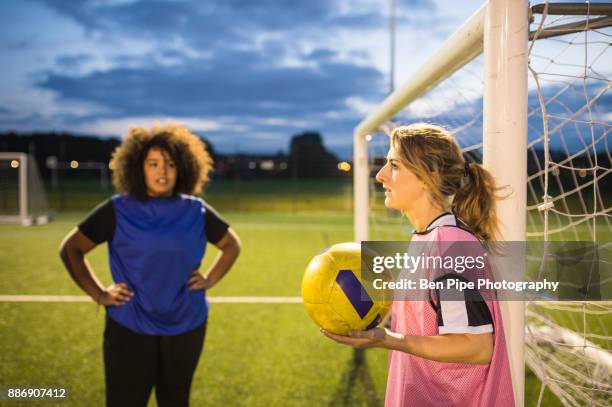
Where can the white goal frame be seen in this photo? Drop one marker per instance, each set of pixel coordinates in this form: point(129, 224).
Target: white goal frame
point(500, 29)
point(25, 216)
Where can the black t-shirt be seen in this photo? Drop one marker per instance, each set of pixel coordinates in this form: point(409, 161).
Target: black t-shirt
point(99, 225)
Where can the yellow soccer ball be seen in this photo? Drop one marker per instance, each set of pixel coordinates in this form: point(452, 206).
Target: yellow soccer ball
point(335, 295)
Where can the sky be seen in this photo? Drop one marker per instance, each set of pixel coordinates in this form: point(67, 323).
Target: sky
point(245, 74)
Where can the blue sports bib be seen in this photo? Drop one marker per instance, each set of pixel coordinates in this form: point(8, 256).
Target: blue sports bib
point(157, 244)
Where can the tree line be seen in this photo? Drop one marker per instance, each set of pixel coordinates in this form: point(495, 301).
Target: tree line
point(307, 156)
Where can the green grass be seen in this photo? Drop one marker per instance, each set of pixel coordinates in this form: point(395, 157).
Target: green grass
point(260, 195)
point(255, 354)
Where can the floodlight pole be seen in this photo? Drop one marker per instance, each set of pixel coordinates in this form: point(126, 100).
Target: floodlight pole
point(391, 46)
point(505, 147)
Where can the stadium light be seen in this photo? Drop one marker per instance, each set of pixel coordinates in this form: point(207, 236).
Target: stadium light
point(54, 165)
point(267, 165)
point(14, 164)
point(344, 166)
point(51, 161)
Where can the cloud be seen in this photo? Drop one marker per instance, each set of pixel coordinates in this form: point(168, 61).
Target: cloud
point(234, 83)
point(269, 68)
point(568, 115)
point(73, 61)
point(237, 97)
point(120, 126)
point(200, 23)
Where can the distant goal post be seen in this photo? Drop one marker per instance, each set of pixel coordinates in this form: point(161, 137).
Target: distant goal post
point(22, 196)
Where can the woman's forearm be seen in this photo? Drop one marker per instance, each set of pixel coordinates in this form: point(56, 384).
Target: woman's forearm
point(223, 262)
point(452, 348)
point(81, 272)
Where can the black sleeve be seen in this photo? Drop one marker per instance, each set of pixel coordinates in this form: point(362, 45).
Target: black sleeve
point(461, 311)
point(99, 225)
point(214, 225)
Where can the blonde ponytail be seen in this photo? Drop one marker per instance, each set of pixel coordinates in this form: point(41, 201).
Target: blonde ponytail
point(474, 202)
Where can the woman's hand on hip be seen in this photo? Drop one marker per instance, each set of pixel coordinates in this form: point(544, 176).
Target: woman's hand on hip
point(197, 281)
point(115, 295)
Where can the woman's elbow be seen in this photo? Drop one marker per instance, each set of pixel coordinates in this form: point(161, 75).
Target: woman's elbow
point(64, 249)
point(235, 244)
point(71, 246)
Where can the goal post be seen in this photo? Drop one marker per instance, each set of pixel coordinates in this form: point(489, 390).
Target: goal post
point(23, 196)
point(505, 148)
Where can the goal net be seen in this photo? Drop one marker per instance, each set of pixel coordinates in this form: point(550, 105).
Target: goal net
point(567, 170)
point(22, 195)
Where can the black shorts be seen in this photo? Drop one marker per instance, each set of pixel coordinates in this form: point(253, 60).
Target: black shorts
point(134, 363)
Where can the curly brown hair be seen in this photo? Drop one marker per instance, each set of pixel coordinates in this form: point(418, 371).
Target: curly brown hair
point(187, 150)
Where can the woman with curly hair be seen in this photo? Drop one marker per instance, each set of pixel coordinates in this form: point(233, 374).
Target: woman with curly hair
point(157, 233)
point(450, 350)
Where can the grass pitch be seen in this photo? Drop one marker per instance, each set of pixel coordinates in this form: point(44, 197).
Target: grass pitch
point(254, 354)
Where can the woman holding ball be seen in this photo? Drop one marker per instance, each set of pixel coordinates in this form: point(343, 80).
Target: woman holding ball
point(157, 233)
point(441, 354)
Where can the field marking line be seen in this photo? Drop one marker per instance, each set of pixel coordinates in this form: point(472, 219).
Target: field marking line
point(248, 225)
point(256, 300)
point(84, 298)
